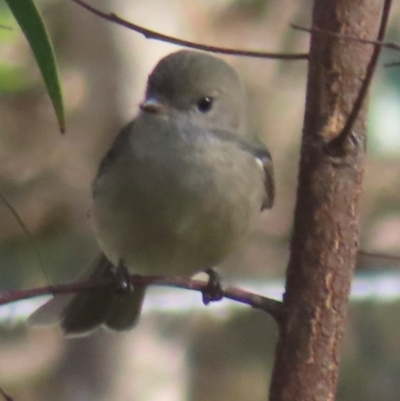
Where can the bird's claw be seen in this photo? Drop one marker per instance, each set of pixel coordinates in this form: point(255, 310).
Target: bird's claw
point(123, 279)
point(213, 291)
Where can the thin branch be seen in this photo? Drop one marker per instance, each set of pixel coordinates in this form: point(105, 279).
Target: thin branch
point(392, 64)
point(347, 129)
point(346, 132)
point(26, 231)
point(5, 395)
point(379, 255)
point(387, 45)
point(268, 305)
point(384, 44)
point(149, 34)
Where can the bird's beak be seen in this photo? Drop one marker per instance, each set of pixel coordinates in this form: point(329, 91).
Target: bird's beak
point(152, 105)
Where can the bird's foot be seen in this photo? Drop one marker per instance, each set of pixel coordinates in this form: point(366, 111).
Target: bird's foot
point(213, 291)
point(123, 278)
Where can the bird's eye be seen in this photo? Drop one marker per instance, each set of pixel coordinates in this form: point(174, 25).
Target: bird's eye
point(205, 104)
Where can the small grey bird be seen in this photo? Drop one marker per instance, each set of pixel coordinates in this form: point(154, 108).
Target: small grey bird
point(177, 192)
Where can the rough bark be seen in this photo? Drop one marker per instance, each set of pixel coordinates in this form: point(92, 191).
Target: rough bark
point(325, 238)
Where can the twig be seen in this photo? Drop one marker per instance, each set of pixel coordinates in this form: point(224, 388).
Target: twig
point(176, 41)
point(26, 231)
point(347, 129)
point(392, 64)
point(5, 395)
point(387, 45)
point(384, 44)
point(379, 255)
point(271, 306)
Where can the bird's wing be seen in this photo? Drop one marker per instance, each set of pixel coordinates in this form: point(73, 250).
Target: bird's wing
point(117, 148)
point(263, 157)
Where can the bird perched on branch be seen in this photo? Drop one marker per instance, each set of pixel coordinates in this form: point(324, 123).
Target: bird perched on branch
point(177, 192)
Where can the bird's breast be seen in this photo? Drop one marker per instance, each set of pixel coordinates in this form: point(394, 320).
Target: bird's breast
point(176, 206)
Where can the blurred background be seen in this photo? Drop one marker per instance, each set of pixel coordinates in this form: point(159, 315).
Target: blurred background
point(222, 352)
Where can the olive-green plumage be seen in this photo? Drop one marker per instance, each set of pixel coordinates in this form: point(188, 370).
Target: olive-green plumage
point(178, 190)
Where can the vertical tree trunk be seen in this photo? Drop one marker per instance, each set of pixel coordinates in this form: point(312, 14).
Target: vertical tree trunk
point(325, 238)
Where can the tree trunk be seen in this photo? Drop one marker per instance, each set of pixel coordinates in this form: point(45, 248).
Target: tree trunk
point(325, 239)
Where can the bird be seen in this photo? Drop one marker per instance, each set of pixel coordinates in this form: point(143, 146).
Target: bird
point(177, 192)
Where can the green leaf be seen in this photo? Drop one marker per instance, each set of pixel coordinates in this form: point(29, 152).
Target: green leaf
point(31, 23)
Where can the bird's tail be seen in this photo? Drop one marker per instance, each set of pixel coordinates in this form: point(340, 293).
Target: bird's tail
point(80, 314)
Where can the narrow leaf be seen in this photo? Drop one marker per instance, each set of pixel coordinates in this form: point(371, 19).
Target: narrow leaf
point(31, 23)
